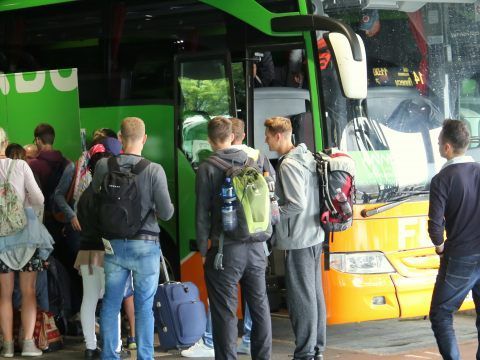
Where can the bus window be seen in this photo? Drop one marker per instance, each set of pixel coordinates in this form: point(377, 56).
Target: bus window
point(204, 92)
point(279, 81)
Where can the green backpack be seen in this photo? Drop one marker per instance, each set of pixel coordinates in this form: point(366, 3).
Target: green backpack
point(253, 200)
point(12, 213)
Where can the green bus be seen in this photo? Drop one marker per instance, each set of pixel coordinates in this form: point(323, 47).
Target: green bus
point(178, 63)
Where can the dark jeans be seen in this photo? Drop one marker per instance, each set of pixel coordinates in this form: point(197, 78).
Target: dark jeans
point(66, 250)
point(243, 263)
point(456, 277)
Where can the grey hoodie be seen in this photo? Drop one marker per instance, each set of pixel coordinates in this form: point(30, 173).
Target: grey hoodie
point(298, 192)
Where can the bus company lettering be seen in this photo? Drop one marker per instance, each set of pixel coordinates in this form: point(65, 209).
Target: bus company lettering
point(23, 86)
point(412, 233)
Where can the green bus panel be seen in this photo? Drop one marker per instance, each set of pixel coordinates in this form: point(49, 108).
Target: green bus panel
point(28, 99)
point(160, 143)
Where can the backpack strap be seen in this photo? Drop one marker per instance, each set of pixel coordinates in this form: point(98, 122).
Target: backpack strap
point(219, 162)
point(113, 164)
point(251, 163)
point(140, 166)
point(9, 171)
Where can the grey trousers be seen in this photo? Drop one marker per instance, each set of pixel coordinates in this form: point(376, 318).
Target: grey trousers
point(306, 303)
point(243, 263)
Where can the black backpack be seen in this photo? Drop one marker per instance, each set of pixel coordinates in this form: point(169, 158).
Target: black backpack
point(119, 206)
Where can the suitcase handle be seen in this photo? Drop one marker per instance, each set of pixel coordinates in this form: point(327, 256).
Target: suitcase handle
point(163, 264)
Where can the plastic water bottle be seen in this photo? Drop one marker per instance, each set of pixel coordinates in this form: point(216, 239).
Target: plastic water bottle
point(344, 204)
point(274, 209)
point(229, 211)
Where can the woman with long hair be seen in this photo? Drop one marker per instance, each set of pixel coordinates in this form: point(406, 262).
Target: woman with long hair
point(19, 251)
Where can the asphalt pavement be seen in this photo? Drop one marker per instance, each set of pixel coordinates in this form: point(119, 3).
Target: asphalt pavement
point(384, 339)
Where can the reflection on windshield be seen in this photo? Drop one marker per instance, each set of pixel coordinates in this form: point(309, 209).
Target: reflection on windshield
point(394, 147)
point(423, 67)
point(204, 94)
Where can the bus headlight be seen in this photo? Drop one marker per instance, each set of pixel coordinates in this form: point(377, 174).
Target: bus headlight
point(361, 263)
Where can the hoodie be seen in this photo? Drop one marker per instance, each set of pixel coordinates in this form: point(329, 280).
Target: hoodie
point(261, 159)
point(299, 201)
point(48, 168)
point(208, 187)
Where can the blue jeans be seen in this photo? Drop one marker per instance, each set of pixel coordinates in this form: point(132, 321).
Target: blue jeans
point(456, 277)
point(142, 258)
point(247, 328)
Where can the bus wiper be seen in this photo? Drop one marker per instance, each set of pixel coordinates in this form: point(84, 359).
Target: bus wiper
point(393, 203)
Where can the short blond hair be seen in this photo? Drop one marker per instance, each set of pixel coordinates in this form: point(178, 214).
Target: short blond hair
point(238, 129)
point(219, 129)
point(3, 139)
point(132, 129)
point(278, 125)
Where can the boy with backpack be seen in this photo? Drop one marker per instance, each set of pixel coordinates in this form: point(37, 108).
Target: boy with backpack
point(300, 234)
point(234, 256)
point(132, 193)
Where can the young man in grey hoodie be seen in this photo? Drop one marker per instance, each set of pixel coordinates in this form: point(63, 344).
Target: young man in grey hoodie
point(244, 262)
point(299, 233)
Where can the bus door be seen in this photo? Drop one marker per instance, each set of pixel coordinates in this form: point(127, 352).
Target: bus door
point(278, 86)
point(204, 89)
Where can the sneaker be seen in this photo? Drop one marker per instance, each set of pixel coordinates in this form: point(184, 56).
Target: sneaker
point(199, 350)
point(29, 348)
point(243, 348)
point(7, 349)
point(131, 343)
point(318, 354)
point(92, 354)
point(124, 354)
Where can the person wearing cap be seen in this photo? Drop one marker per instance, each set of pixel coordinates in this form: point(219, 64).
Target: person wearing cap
point(370, 23)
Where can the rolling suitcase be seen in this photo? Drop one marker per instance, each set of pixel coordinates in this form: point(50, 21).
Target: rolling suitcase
point(180, 317)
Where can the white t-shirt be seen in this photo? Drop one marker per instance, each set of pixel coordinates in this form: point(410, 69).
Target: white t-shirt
point(23, 181)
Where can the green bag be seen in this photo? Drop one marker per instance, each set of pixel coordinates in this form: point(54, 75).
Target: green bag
point(12, 213)
point(253, 200)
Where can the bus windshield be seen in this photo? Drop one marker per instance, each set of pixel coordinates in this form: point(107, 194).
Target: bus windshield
point(423, 67)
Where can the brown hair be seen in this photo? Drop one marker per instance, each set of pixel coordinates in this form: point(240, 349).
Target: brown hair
point(219, 129)
point(132, 129)
point(238, 128)
point(46, 133)
point(456, 133)
point(278, 125)
point(15, 151)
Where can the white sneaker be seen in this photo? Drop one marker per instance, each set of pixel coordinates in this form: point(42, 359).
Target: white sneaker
point(199, 350)
point(29, 348)
point(243, 348)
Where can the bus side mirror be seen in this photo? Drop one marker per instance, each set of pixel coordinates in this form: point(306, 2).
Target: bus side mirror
point(352, 73)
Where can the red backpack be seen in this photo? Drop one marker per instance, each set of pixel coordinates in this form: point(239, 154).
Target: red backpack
point(336, 173)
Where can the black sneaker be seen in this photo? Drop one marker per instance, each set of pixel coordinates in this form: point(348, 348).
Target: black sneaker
point(92, 354)
point(124, 354)
point(318, 356)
